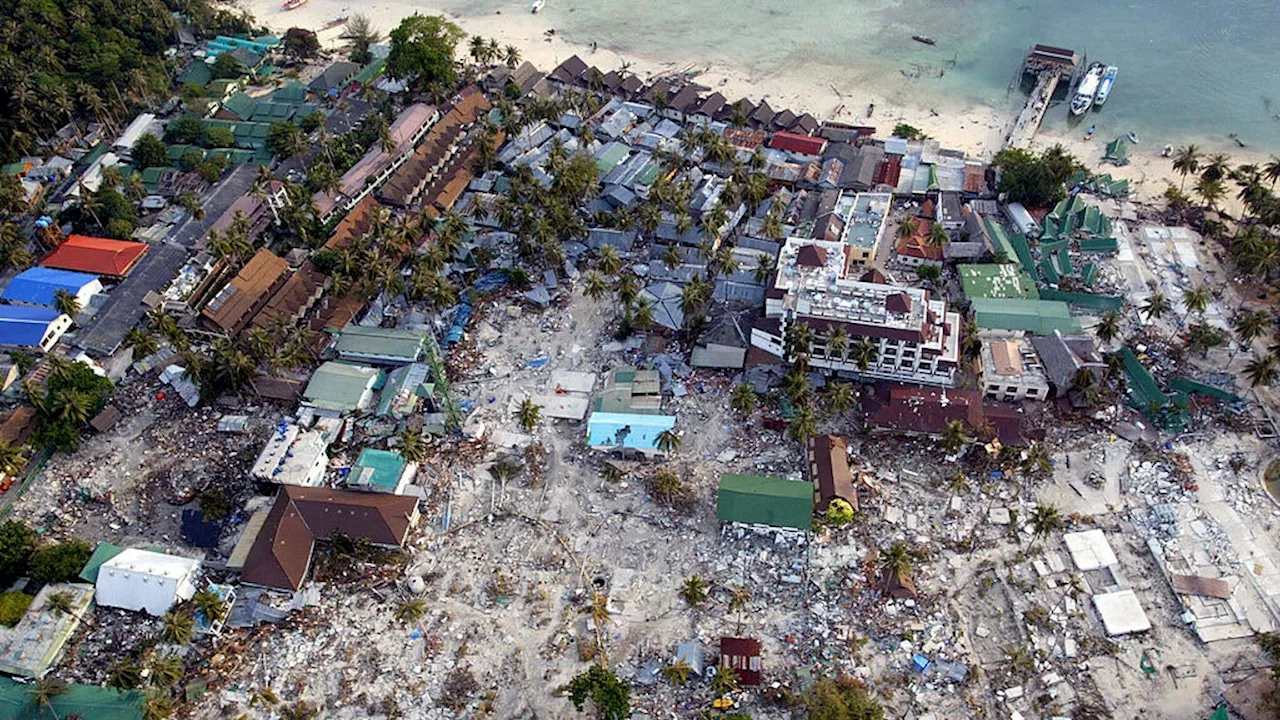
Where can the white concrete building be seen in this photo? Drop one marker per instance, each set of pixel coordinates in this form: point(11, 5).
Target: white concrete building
point(294, 455)
point(1011, 370)
point(916, 338)
point(144, 580)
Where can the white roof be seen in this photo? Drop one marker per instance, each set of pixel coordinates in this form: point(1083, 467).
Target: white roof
point(146, 580)
point(563, 405)
point(1090, 549)
point(1121, 612)
point(135, 131)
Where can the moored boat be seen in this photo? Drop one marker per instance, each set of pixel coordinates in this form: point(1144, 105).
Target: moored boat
point(1105, 84)
point(293, 4)
point(1085, 91)
point(538, 5)
point(924, 39)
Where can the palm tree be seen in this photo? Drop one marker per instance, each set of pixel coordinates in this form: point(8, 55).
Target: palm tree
point(43, 692)
point(908, 228)
point(668, 442)
point(1271, 170)
point(1186, 161)
point(677, 673)
point(511, 56)
point(210, 604)
point(837, 343)
point(413, 446)
point(411, 611)
point(1251, 325)
point(528, 414)
point(627, 289)
point(124, 674)
point(66, 303)
point(1045, 519)
point(1262, 370)
point(1037, 459)
point(1215, 167)
point(743, 399)
point(766, 266)
point(798, 339)
point(1211, 190)
point(865, 353)
point(894, 564)
point(642, 314)
point(937, 236)
point(177, 627)
point(593, 285)
point(11, 459)
point(1156, 306)
point(1108, 328)
point(840, 397)
point(166, 669)
point(1196, 300)
point(724, 681)
point(953, 437)
point(804, 425)
point(694, 590)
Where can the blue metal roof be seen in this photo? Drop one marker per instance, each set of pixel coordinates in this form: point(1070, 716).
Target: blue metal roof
point(23, 326)
point(629, 430)
point(40, 285)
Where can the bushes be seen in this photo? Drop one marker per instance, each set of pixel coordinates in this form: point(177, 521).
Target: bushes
point(17, 542)
point(13, 605)
point(62, 562)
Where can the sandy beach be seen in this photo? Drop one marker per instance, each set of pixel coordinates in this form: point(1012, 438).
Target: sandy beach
point(977, 129)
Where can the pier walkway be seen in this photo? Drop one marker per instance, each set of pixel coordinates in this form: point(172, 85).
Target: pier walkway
point(1028, 122)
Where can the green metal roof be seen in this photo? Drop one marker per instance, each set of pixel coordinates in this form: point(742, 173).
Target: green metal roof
point(996, 280)
point(1146, 396)
point(610, 158)
point(1040, 317)
point(339, 386)
point(369, 72)
point(765, 501)
point(1099, 246)
point(1000, 238)
point(291, 92)
point(101, 554)
point(377, 469)
point(1089, 274)
point(90, 701)
point(1187, 385)
point(1088, 301)
point(240, 105)
point(375, 343)
point(1022, 251)
point(1064, 261)
point(197, 73)
point(1048, 272)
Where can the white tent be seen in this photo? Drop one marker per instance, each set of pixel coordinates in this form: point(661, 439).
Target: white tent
point(145, 580)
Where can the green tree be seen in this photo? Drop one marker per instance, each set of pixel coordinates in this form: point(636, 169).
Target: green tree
point(611, 696)
point(1035, 181)
point(843, 699)
point(865, 353)
point(422, 49)
point(13, 605)
point(411, 611)
point(694, 590)
point(1108, 328)
point(909, 132)
point(1262, 370)
point(668, 442)
point(839, 512)
point(677, 673)
point(953, 437)
point(11, 458)
point(1186, 161)
point(1251, 325)
point(60, 563)
point(226, 67)
point(150, 152)
point(413, 446)
point(804, 425)
point(284, 139)
point(44, 691)
point(66, 303)
point(177, 627)
point(300, 43)
point(840, 397)
point(124, 674)
point(1156, 306)
point(1045, 519)
point(362, 35)
point(210, 604)
point(743, 399)
point(17, 542)
point(528, 414)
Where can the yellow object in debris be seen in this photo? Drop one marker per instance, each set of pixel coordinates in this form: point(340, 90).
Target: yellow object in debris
point(722, 703)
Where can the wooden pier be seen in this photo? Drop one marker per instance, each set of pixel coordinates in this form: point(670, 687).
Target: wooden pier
point(1048, 67)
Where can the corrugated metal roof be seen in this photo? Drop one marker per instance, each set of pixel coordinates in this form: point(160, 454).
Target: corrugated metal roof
point(40, 285)
point(765, 501)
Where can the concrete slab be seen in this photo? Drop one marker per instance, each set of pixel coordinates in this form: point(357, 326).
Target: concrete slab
point(1121, 613)
point(563, 407)
point(572, 381)
point(1090, 550)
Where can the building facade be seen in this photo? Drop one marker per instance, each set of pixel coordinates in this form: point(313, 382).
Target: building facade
point(914, 336)
point(1011, 370)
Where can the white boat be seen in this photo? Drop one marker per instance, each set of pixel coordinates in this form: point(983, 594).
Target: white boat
point(1104, 85)
point(1087, 88)
point(537, 5)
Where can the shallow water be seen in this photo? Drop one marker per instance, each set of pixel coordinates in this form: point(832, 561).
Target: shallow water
point(1188, 69)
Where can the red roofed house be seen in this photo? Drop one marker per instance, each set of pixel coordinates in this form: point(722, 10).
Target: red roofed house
point(99, 256)
point(743, 655)
point(915, 249)
point(284, 540)
point(796, 143)
point(828, 459)
point(928, 410)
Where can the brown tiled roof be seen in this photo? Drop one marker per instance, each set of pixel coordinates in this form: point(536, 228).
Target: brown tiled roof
point(233, 306)
point(294, 297)
point(811, 256)
point(569, 70)
point(282, 551)
point(685, 100)
point(17, 424)
point(829, 469)
point(898, 303)
point(356, 223)
point(918, 409)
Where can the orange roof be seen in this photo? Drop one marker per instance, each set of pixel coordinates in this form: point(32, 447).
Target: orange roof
point(100, 256)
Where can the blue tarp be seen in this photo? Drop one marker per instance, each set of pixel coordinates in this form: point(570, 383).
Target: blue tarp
point(629, 430)
point(460, 318)
point(40, 285)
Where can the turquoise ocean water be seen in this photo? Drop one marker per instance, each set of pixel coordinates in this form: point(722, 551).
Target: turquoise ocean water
point(1189, 70)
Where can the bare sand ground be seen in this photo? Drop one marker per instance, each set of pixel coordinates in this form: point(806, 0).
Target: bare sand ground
point(977, 129)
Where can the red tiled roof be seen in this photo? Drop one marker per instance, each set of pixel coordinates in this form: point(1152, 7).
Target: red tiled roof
point(889, 171)
point(100, 256)
point(928, 410)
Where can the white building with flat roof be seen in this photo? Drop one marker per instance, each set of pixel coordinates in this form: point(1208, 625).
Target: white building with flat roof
point(1011, 370)
point(914, 336)
point(145, 580)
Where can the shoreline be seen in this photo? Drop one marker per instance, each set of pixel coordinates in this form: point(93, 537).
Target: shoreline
point(977, 129)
